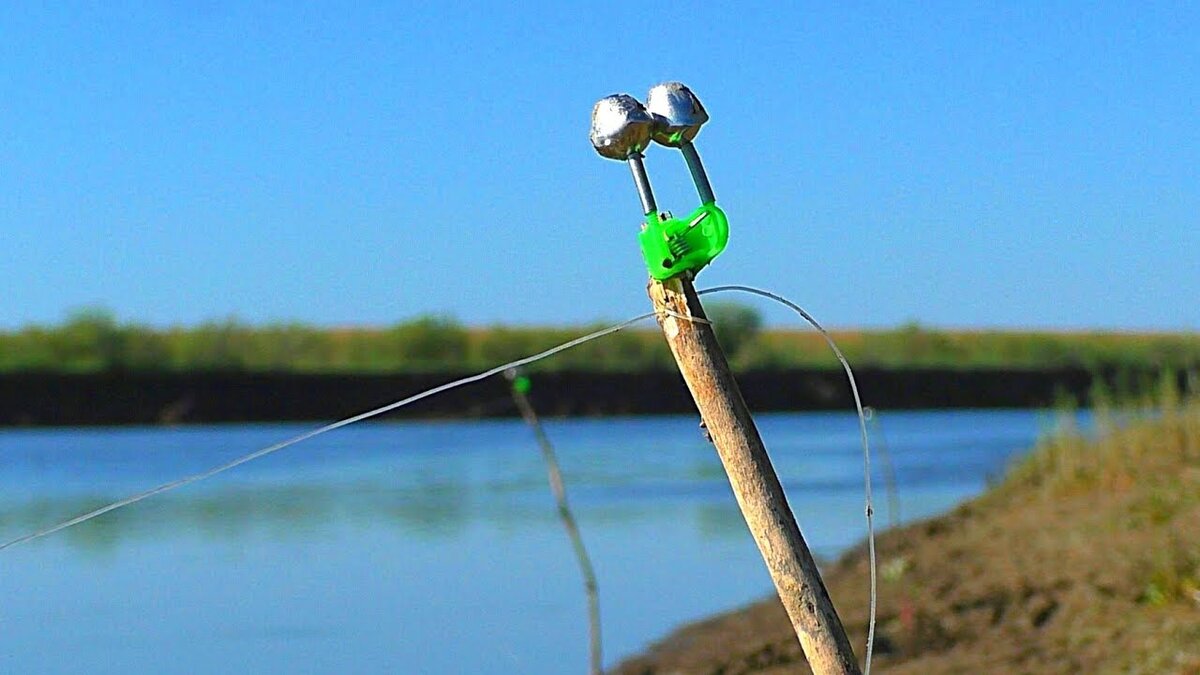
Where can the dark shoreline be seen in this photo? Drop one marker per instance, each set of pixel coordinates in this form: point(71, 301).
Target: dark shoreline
point(123, 398)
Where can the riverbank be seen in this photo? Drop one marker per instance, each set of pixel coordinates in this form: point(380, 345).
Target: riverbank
point(135, 397)
point(1086, 558)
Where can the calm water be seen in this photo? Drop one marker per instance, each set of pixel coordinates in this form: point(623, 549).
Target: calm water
point(423, 547)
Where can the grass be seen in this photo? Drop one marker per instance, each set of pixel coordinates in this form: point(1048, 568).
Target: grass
point(1085, 557)
point(1133, 440)
point(1138, 447)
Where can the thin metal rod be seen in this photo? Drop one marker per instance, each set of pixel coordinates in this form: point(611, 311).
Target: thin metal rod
point(699, 177)
point(889, 469)
point(645, 193)
point(554, 473)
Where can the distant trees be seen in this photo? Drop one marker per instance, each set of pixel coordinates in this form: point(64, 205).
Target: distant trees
point(735, 324)
point(92, 339)
point(89, 340)
point(429, 341)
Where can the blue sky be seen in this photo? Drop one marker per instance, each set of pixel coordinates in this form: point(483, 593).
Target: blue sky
point(960, 164)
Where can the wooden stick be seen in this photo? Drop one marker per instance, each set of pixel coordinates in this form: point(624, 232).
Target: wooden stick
point(757, 488)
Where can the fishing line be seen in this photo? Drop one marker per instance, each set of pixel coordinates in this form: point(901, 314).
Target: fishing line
point(889, 468)
point(862, 425)
point(166, 487)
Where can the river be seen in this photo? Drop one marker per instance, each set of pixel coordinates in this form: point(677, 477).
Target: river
point(427, 547)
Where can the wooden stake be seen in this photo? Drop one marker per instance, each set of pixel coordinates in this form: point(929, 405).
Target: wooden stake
point(757, 488)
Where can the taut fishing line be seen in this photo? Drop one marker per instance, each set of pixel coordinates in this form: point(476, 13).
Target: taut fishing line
point(166, 487)
point(862, 427)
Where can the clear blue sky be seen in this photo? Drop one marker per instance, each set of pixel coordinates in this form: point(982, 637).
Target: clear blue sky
point(961, 164)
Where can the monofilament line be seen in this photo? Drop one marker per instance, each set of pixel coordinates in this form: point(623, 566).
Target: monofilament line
point(167, 487)
point(862, 425)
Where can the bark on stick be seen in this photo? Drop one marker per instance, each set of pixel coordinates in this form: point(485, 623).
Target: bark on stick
point(753, 478)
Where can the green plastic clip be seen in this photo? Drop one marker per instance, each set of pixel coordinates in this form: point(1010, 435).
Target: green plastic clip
point(672, 246)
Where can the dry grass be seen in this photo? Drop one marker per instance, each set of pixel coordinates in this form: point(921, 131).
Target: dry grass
point(1134, 440)
point(1086, 558)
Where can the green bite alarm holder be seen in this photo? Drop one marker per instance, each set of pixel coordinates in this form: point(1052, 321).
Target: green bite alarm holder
point(672, 246)
point(621, 129)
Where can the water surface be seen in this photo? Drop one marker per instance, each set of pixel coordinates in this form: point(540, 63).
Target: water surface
point(424, 547)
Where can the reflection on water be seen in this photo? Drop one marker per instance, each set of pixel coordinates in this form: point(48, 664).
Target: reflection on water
point(440, 508)
point(383, 548)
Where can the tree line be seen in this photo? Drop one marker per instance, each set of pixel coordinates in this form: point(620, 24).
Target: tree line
point(94, 340)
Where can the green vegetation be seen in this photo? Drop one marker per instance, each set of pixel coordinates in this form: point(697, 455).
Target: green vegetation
point(1134, 439)
point(93, 340)
point(736, 326)
point(912, 345)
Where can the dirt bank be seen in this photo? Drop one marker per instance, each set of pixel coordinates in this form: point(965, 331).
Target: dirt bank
point(1085, 560)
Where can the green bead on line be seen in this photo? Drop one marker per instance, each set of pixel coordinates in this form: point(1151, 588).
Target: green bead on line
point(522, 384)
